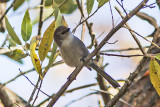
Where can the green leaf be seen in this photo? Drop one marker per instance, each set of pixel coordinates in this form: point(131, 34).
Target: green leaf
point(89, 5)
point(67, 7)
point(17, 4)
point(58, 20)
point(11, 32)
point(26, 27)
point(56, 9)
point(47, 12)
point(102, 2)
point(157, 56)
point(11, 42)
point(16, 55)
point(48, 2)
point(46, 41)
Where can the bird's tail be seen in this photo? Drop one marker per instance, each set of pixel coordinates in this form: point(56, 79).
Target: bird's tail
point(113, 82)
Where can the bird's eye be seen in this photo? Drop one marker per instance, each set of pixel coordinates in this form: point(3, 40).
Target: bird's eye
point(67, 30)
point(63, 32)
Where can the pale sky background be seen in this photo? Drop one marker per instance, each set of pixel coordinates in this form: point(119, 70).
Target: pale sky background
point(119, 68)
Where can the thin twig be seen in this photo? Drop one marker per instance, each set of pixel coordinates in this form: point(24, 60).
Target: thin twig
point(20, 74)
point(69, 91)
point(34, 90)
point(122, 6)
point(89, 25)
point(120, 50)
point(41, 17)
point(143, 37)
point(121, 55)
point(111, 14)
point(81, 87)
point(33, 83)
point(81, 98)
point(7, 10)
point(39, 89)
point(75, 73)
point(134, 37)
point(150, 5)
point(83, 25)
point(4, 42)
point(26, 72)
point(102, 91)
point(86, 18)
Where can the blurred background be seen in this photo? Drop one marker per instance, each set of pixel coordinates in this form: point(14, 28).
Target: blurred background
point(118, 68)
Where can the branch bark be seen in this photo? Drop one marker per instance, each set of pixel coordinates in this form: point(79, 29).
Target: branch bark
point(10, 99)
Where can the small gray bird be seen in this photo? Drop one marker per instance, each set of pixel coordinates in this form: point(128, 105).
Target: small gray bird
point(73, 51)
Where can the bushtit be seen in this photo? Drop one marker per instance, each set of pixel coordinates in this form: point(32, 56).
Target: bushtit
point(73, 51)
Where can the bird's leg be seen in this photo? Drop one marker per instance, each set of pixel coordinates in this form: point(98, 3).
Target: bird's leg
point(83, 60)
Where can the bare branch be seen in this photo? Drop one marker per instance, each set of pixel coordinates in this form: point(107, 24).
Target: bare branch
point(7, 10)
point(111, 14)
point(39, 89)
point(34, 90)
point(143, 37)
point(81, 98)
point(10, 99)
point(81, 87)
point(41, 17)
point(69, 91)
point(26, 72)
point(121, 55)
point(122, 6)
point(120, 50)
point(135, 38)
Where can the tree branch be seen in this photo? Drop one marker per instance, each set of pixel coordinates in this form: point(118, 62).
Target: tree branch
point(41, 17)
point(10, 99)
point(7, 11)
point(120, 50)
point(135, 38)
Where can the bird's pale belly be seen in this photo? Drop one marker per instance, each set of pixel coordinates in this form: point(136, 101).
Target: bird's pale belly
point(70, 57)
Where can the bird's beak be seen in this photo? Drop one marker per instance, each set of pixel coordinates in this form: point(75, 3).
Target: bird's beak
point(68, 30)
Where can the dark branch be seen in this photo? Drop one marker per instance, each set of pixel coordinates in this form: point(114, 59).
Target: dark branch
point(41, 17)
point(7, 11)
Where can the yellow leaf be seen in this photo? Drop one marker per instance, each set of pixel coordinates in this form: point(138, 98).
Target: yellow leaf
point(16, 55)
point(154, 70)
point(19, 54)
point(36, 62)
point(46, 41)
